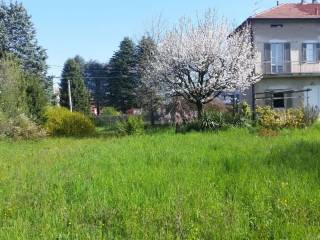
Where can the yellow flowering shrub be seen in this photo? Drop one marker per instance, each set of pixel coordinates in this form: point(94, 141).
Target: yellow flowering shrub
point(277, 119)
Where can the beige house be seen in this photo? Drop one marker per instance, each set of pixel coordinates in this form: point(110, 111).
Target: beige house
point(287, 38)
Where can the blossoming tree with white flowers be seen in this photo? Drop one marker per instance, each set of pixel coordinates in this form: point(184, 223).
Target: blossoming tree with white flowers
point(200, 60)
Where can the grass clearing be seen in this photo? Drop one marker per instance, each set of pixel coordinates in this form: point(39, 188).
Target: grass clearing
point(229, 185)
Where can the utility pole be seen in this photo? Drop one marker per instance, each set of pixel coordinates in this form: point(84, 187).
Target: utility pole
point(69, 93)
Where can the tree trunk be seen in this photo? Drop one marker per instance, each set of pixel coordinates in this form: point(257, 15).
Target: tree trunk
point(152, 117)
point(98, 108)
point(199, 109)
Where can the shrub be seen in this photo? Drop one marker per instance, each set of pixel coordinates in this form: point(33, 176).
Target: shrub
point(213, 120)
point(35, 98)
point(20, 128)
point(110, 112)
point(61, 122)
point(272, 119)
point(311, 115)
point(210, 121)
point(133, 125)
point(20, 92)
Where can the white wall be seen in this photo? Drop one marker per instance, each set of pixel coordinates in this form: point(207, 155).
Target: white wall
point(294, 31)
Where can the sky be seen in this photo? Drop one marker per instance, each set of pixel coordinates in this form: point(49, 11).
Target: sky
point(93, 29)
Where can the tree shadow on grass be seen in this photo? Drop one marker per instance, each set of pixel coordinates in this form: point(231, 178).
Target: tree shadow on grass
point(302, 155)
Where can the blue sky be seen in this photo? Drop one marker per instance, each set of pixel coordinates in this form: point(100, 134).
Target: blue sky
point(93, 29)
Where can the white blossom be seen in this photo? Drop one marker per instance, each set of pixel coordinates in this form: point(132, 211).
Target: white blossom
point(200, 60)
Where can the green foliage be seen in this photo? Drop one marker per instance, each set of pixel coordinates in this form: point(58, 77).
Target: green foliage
point(110, 112)
point(213, 120)
point(20, 92)
point(35, 97)
point(19, 127)
point(133, 125)
point(62, 122)
point(19, 37)
point(12, 87)
point(228, 185)
point(73, 71)
point(96, 79)
point(242, 117)
point(123, 77)
point(272, 119)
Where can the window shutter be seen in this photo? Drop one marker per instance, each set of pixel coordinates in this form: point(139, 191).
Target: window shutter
point(267, 58)
point(304, 53)
point(287, 57)
point(318, 52)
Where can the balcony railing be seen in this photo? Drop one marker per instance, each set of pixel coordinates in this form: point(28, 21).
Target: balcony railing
point(290, 67)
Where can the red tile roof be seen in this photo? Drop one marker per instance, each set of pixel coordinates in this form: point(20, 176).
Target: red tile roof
point(291, 11)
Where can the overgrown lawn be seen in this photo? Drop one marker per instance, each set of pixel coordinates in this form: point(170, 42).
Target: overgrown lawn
point(228, 185)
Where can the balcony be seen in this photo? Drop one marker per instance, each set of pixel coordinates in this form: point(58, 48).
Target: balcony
point(289, 68)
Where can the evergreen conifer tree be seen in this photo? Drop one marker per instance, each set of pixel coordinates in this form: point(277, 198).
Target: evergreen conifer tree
point(96, 79)
point(123, 77)
point(79, 94)
point(18, 37)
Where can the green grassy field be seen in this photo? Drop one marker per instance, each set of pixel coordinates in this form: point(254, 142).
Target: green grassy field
point(229, 185)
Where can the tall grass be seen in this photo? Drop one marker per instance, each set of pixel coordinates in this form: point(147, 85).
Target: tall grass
point(230, 185)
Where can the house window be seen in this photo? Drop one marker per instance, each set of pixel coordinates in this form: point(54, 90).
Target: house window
point(278, 100)
point(310, 52)
point(277, 57)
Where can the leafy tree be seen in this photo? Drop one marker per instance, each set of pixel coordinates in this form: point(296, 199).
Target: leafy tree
point(35, 97)
point(123, 77)
point(96, 80)
point(147, 89)
point(12, 87)
point(79, 94)
point(20, 92)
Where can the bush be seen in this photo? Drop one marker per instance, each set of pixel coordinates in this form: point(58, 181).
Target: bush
point(243, 117)
point(35, 98)
point(21, 92)
point(213, 120)
point(133, 125)
point(210, 121)
point(311, 115)
point(19, 128)
point(61, 122)
point(110, 112)
point(272, 119)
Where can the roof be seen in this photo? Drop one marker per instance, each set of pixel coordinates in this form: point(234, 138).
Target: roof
point(291, 11)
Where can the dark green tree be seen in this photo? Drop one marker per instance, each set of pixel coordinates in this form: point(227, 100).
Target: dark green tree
point(96, 79)
point(82, 63)
point(123, 77)
point(35, 97)
point(79, 94)
point(147, 89)
point(18, 37)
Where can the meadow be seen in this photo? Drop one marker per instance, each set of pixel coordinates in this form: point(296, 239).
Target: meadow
point(228, 185)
